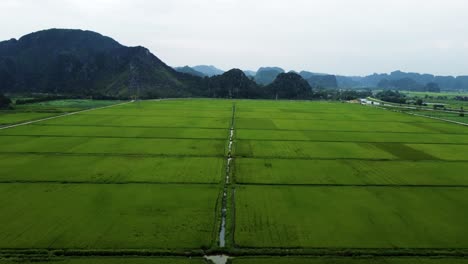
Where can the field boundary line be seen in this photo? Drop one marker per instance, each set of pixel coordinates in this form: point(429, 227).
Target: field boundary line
point(340, 158)
point(51, 254)
point(116, 126)
point(105, 183)
point(260, 129)
point(341, 120)
point(136, 155)
point(169, 116)
point(356, 131)
point(393, 105)
point(222, 139)
point(319, 185)
point(345, 141)
point(437, 118)
point(385, 107)
point(58, 116)
point(112, 137)
point(149, 155)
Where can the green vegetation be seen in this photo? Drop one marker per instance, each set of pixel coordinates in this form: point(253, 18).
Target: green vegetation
point(107, 216)
point(112, 146)
point(109, 169)
point(35, 111)
point(306, 149)
point(5, 102)
point(110, 260)
point(448, 95)
point(312, 177)
point(331, 260)
point(351, 217)
point(449, 105)
point(122, 178)
point(111, 132)
point(391, 96)
point(317, 181)
point(114, 260)
point(349, 172)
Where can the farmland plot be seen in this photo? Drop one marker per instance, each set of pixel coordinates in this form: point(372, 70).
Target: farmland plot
point(338, 176)
point(351, 217)
point(106, 216)
point(115, 260)
point(159, 177)
point(350, 172)
point(332, 260)
point(140, 176)
point(31, 112)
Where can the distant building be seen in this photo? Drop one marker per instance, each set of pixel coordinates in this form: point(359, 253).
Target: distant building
point(368, 102)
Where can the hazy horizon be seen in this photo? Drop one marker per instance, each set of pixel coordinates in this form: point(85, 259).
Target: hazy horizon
point(342, 37)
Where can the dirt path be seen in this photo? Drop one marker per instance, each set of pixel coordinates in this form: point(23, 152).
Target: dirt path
point(58, 116)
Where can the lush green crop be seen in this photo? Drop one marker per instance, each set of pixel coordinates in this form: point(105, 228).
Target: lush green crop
point(118, 146)
point(350, 172)
point(306, 177)
point(141, 176)
point(113, 132)
point(110, 169)
point(141, 121)
point(340, 136)
point(114, 260)
point(309, 149)
point(107, 216)
point(30, 112)
point(12, 117)
point(353, 126)
point(355, 260)
point(351, 217)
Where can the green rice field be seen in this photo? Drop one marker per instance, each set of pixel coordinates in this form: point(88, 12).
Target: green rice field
point(160, 182)
point(36, 111)
point(302, 260)
point(115, 260)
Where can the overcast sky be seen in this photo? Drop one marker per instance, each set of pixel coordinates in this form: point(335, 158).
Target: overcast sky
point(351, 37)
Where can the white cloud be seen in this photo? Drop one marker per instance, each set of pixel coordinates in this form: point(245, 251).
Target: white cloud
point(336, 36)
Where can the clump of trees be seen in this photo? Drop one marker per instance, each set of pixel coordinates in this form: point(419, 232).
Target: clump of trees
point(5, 102)
point(38, 100)
point(408, 84)
point(461, 98)
point(391, 96)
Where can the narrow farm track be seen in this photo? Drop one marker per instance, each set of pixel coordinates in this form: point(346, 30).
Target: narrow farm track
point(59, 116)
point(395, 107)
point(436, 118)
point(222, 232)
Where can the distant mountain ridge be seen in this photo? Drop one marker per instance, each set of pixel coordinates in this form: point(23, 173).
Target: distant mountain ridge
point(266, 75)
point(86, 63)
point(65, 61)
point(444, 82)
point(189, 70)
point(250, 73)
point(208, 70)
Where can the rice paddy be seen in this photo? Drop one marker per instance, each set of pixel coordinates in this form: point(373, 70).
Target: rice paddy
point(311, 179)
